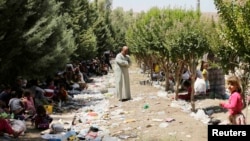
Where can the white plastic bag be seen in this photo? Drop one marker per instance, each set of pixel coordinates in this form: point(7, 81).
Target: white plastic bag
point(57, 127)
point(200, 86)
point(18, 125)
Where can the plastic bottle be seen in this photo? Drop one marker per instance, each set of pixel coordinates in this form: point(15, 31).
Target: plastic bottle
point(60, 104)
point(12, 116)
point(146, 106)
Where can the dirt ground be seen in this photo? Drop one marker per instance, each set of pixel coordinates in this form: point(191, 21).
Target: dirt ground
point(156, 121)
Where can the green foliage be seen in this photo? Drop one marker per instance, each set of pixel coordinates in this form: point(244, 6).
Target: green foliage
point(34, 40)
point(103, 36)
point(87, 47)
point(81, 16)
point(153, 32)
point(170, 37)
point(121, 21)
point(190, 43)
point(103, 28)
point(235, 34)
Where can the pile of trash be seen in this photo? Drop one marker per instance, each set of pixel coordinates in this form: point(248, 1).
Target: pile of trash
point(88, 122)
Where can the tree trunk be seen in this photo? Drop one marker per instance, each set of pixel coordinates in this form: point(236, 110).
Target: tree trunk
point(193, 76)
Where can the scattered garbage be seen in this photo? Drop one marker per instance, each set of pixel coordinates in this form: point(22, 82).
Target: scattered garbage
point(201, 115)
point(57, 128)
point(157, 120)
point(87, 121)
point(169, 119)
point(163, 125)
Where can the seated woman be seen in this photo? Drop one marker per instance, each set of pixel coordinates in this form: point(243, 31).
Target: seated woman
point(104, 69)
point(28, 102)
point(79, 79)
point(50, 89)
point(16, 107)
point(187, 86)
point(38, 92)
point(62, 94)
point(5, 127)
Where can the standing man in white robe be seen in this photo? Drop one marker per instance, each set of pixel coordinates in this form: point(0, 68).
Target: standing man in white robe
point(122, 63)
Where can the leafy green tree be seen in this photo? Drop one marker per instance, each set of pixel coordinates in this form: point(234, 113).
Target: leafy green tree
point(170, 37)
point(35, 42)
point(153, 33)
point(191, 43)
point(120, 20)
point(235, 34)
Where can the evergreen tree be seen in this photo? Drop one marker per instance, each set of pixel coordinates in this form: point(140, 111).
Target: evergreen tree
point(81, 16)
point(102, 28)
point(34, 39)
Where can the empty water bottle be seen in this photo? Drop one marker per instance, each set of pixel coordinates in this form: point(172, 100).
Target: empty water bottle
point(60, 104)
point(12, 116)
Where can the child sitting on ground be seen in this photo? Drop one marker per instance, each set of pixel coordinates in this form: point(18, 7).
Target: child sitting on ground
point(16, 107)
point(62, 94)
point(28, 102)
point(42, 120)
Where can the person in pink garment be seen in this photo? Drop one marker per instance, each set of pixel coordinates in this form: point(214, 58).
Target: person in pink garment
point(28, 102)
point(235, 102)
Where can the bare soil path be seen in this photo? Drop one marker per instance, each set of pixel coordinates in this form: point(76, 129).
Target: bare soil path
point(158, 121)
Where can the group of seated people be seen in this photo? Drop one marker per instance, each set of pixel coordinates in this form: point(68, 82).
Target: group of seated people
point(26, 99)
point(80, 72)
point(21, 108)
point(201, 83)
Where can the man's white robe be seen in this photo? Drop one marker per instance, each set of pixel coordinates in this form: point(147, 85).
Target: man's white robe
point(122, 63)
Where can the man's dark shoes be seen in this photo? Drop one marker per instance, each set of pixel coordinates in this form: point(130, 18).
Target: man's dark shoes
point(124, 100)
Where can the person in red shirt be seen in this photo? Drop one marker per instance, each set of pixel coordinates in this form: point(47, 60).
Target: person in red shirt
point(5, 127)
point(62, 93)
point(235, 102)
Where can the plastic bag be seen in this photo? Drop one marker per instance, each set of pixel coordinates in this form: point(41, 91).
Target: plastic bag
point(200, 86)
point(57, 127)
point(18, 125)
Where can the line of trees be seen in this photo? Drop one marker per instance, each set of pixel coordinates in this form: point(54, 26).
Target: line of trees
point(176, 37)
point(171, 37)
point(38, 37)
point(234, 31)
